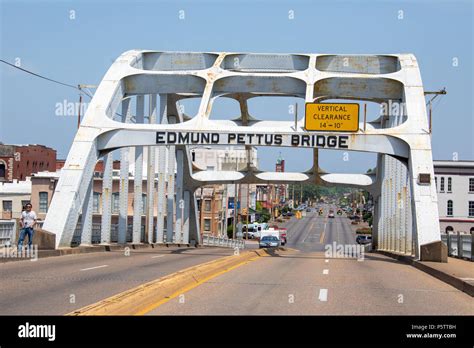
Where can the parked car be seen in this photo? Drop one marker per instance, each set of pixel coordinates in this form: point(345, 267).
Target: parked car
point(251, 235)
point(308, 210)
point(283, 239)
point(269, 242)
point(364, 239)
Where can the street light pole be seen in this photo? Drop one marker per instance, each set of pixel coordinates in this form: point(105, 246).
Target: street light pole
point(235, 202)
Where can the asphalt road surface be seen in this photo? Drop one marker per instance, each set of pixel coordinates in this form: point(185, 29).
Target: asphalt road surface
point(305, 281)
point(301, 280)
point(59, 285)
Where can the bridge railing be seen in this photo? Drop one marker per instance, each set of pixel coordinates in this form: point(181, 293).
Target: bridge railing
point(96, 233)
point(222, 242)
point(8, 228)
point(459, 245)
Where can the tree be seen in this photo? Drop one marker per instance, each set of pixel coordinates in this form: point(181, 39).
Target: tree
point(370, 220)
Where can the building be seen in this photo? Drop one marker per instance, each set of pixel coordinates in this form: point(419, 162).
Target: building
point(17, 162)
point(222, 158)
point(43, 185)
point(221, 203)
point(13, 197)
point(280, 190)
point(211, 204)
point(455, 187)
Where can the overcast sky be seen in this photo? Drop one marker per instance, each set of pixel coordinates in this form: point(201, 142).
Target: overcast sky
point(76, 41)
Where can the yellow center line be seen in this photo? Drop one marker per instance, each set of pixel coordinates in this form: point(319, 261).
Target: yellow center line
point(192, 286)
point(321, 239)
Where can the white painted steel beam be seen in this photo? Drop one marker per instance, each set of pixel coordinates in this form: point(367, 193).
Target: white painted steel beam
point(106, 218)
point(124, 178)
point(138, 177)
point(151, 175)
point(86, 227)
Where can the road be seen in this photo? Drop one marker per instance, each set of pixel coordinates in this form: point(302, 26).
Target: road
point(299, 280)
point(59, 285)
point(313, 232)
point(304, 281)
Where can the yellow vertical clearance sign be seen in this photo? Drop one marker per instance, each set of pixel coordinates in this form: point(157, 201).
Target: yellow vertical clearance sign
point(332, 117)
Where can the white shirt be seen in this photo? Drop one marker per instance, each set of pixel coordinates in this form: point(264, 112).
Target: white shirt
point(28, 218)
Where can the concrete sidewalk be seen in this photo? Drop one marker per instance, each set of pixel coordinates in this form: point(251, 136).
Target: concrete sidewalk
point(456, 272)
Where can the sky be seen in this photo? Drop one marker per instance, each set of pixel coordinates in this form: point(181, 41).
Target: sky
point(76, 42)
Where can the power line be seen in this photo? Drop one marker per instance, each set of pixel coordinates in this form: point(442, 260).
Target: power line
point(80, 88)
point(46, 78)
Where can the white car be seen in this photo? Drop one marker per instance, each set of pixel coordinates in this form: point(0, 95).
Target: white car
point(269, 242)
point(251, 235)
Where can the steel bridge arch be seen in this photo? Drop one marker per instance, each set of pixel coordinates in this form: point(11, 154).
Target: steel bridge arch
point(406, 206)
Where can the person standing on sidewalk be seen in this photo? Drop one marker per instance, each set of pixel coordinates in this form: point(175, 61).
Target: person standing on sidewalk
point(28, 222)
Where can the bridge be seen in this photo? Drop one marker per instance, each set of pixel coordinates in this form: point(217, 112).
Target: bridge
point(406, 215)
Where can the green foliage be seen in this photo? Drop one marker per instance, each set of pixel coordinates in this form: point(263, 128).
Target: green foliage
point(264, 216)
point(364, 230)
point(314, 192)
point(366, 216)
point(370, 220)
point(230, 231)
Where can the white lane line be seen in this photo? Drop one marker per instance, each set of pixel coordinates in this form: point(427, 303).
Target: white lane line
point(309, 232)
point(325, 271)
point(323, 295)
point(154, 257)
point(87, 269)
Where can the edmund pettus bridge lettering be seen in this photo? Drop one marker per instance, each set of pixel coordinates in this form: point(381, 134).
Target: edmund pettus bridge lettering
point(255, 139)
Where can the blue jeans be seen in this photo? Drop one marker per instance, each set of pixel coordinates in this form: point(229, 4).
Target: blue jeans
point(25, 231)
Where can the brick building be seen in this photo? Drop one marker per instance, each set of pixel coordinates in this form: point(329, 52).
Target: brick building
point(211, 209)
point(17, 162)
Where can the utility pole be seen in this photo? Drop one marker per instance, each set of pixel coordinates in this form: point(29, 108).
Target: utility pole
point(271, 202)
point(225, 211)
point(430, 105)
point(248, 209)
point(80, 87)
point(213, 212)
point(301, 194)
point(79, 110)
point(201, 228)
point(240, 203)
point(293, 194)
point(234, 222)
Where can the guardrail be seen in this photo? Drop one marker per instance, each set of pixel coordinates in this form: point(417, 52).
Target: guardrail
point(223, 242)
point(459, 245)
point(7, 231)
